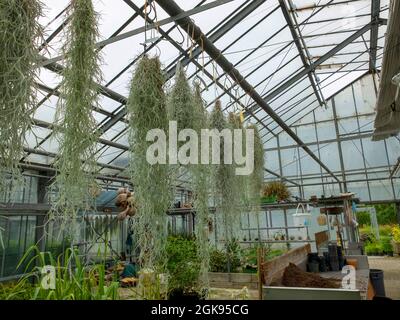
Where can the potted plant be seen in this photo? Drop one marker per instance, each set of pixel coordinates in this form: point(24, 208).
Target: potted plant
point(396, 239)
point(275, 190)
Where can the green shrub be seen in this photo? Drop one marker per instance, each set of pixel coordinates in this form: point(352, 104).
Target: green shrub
point(385, 230)
point(386, 245)
point(386, 213)
point(374, 248)
point(183, 264)
point(218, 262)
point(395, 232)
point(230, 256)
point(363, 218)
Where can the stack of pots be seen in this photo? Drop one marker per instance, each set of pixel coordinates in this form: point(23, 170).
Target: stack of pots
point(333, 257)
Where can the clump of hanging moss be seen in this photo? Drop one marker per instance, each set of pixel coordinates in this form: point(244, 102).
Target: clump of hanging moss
point(201, 185)
point(180, 102)
point(224, 180)
point(256, 178)
point(240, 181)
point(187, 108)
point(20, 33)
point(146, 110)
point(76, 126)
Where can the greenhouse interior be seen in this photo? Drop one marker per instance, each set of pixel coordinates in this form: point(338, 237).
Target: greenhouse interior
point(199, 150)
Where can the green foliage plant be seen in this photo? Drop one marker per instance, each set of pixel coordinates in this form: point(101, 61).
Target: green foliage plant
point(396, 233)
point(73, 280)
point(183, 263)
point(76, 126)
point(20, 35)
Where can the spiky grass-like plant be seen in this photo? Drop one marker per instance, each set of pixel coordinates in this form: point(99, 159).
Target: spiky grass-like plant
point(146, 109)
point(224, 180)
point(20, 33)
point(76, 128)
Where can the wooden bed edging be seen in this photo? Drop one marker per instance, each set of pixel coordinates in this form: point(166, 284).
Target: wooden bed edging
point(273, 270)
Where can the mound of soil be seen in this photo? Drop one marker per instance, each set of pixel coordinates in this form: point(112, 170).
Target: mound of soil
point(293, 276)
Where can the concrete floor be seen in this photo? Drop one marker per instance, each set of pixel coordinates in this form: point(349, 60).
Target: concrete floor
point(391, 274)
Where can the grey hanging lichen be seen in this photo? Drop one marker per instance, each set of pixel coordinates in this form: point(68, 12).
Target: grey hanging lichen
point(240, 181)
point(201, 186)
point(187, 109)
point(20, 34)
point(75, 124)
point(146, 110)
point(256, 178)
point(224, 180)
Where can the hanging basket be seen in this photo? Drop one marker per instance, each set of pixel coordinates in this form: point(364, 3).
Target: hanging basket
point(322, 220)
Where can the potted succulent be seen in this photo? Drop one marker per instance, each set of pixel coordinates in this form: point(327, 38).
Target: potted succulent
point(396, 239)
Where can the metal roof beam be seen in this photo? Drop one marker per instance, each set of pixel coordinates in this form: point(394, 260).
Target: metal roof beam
point(131, 33)
point(107, 92)
point(122, 112)
point(300, 44)
point(281, 177)
point(50, 126)
point(245, 12)
point(318, 62)
point(186, 24)
point(375, 10)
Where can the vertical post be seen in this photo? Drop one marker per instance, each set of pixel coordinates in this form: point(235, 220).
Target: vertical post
point(266, 223)
point(248, 225)
point(41, 219)
point(398, 211)
point(286, 228)
point(260, 258)
point(343, 188)
point(190, 224)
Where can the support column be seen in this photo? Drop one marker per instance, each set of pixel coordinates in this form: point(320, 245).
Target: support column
point(398, 212)
point(41, 220)
point(343, 186)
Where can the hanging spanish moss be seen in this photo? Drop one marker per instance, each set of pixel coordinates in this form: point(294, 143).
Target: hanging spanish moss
point(256, 178)
point(224, 180)
point(187, 108)
point(20, 33)
point(76, 128)
point(180, 109)
point(146, 109)
point(180, 106)
point(239, 187)
point(201, 187)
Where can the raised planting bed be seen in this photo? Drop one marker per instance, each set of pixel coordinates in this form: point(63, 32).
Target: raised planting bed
point(285, 277)
point(233, 280)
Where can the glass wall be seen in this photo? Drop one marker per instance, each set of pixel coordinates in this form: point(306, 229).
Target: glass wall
point(340, 135)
